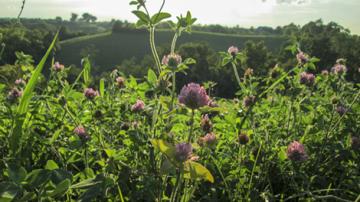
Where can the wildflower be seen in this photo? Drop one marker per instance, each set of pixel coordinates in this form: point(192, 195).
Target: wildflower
point(58, 67)
point(249, 72)
point(20, 82)
point(205, 123)
point(307, 78)
point(120, 81)
point(325, 72)
point(339, 69)
point(90, 93)
point(341, 110)
point(14, 94)
point(193, 96)
point(209, 139)
point(183, 151)
point(243, 139)
point(125, 126)
point(248, 101)
point(296, 152)
point(233, 51)
point(355, 143)
point(81, 133)
point(135, 124)
point(171, 60)
point(302, 58)
point(138, 106)
point(311, 79)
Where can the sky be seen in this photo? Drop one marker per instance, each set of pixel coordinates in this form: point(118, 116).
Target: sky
point(245, 13)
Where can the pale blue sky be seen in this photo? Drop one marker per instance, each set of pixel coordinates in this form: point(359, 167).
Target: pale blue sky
point(245, 13)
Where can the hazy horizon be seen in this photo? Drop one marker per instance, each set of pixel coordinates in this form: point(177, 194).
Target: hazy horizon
point(245, 13)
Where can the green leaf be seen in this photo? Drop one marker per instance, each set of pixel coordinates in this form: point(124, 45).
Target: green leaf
point(282, 153)
point(164, 147)
point(38, 177)
point(8, 191)
point(195, 170)
point(159, 17)
point(151, 77)
point(314, 60)
point(133, 3)
point(226, 61)
point(55, 136)
point(61, 188)
point(85, 184)
point(102, 87)
point(2, 86)
point(17, 174)
point(142, 16)
point(51, 165)
point(29, 196)
point(189, 61)
point(87, 70)
point(15, 138)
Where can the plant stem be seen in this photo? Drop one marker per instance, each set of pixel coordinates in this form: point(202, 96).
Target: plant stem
point(86, 157)
point(173, 90)
point(153, 48)
point(222, 176)
point(236, 74)
point(177, 184)
point(173, 43)
point(191, 125)
point(253, 170)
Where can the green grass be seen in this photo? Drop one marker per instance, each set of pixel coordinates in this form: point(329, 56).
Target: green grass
point(111, 49)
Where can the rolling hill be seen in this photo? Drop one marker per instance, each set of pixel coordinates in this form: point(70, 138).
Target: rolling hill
point(110, 49)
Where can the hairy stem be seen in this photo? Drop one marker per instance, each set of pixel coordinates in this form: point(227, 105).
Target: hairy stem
point(173, 43)
point(236, 74)
point(153, 49)
point(191, 125)
point(21, 9)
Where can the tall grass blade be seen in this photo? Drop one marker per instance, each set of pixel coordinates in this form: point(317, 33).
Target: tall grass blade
point(15, 137)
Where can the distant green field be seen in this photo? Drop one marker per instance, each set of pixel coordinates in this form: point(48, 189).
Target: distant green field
point(111, 49)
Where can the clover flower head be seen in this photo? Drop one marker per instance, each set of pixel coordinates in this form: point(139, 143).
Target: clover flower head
point(205, 123)
point(193, 96)
point(248, 101)
point(90, 93)
point(302, 58)
point(209, 139)
point(339, 69)
point(138, 106)
point(171, 60)
point(296, 152)
point(58, 67)
point(183, 151)
point(340, 109)
point(233, 51)
point(243, 139)
point(20, 82)
point(81, 133)
point(14, 94)
point(120, 81)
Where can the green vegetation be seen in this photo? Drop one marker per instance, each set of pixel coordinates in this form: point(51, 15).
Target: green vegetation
point(290, 133)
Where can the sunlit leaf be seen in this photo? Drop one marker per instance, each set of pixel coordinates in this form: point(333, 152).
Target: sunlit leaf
point(195, 170)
